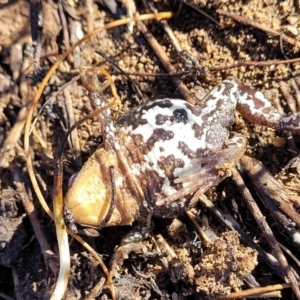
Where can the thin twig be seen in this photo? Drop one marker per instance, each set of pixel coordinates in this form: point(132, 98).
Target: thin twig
point(297, 261)
point(255, 64)
point(193, 6)
point(52, 98)
point(275, 100)
point(16, 283)
point(89, 14)
point(5, 297)
point(192, 217)
point(64, 24)
point(32, 214)
point(163, 58)
point(36, 22)
point(74, 27)
point(266, 184)
point(295, 86)
point(161, 242)
point(288, 97)
point(258, 291)
point(95, 292)
point(134, 85)
point(285, 268)
point(257, 25)
point(74, 133)
point(36, 133)
point(44, 133)
point(12, 137)
point(282, 48)
point(171, 35)
point(180, 73)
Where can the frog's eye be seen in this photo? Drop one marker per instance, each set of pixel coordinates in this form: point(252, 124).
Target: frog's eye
point(181, 115)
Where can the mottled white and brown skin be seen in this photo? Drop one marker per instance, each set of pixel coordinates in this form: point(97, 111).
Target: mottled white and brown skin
point(166, 153)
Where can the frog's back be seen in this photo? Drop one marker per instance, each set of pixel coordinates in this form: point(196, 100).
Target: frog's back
point(163, 139)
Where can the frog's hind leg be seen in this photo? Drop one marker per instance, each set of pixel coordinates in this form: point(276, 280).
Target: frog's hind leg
point(211, 171)
point(255, 107)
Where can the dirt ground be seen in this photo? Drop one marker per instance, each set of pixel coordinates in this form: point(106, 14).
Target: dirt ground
point(180, 262)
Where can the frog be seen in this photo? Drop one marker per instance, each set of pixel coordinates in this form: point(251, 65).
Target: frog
point(161, 156)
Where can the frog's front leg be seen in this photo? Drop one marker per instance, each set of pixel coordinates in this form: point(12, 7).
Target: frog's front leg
point(89, 78)
point(211, 171)
point(131, 243)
